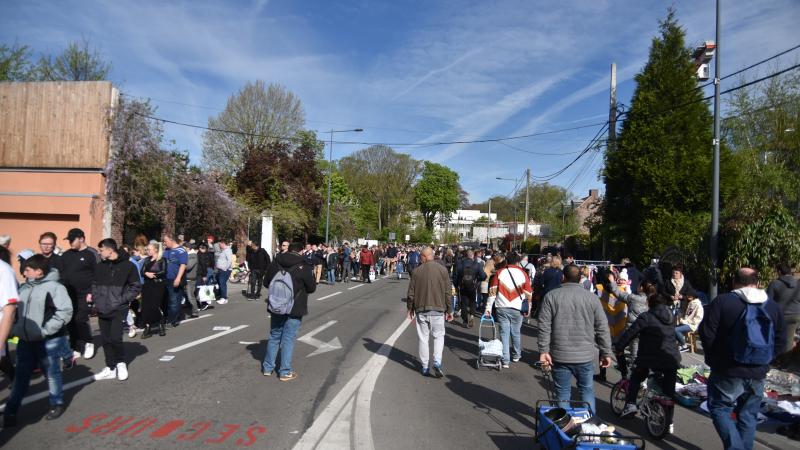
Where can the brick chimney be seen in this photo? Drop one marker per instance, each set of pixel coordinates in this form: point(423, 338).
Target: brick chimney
point(594, 193)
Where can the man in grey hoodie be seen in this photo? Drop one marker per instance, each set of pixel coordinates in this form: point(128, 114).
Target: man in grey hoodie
point(44, 309)
point(785, 291)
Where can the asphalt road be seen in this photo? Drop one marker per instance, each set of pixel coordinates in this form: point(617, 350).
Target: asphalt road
point(359, 386)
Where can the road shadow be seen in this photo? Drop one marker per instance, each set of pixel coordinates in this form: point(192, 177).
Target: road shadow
point(490, 401)
point(511, 441)
point(637, 427)
point(258, 350)
point(34, 412)
point(399, 356)
point(132, 350)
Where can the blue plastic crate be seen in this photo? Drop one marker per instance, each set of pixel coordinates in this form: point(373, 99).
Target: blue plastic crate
point(551, 437)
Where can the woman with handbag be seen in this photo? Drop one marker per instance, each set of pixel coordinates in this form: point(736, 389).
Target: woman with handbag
point(154, 290)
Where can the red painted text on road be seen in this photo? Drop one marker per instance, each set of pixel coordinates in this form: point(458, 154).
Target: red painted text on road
point(205, 432)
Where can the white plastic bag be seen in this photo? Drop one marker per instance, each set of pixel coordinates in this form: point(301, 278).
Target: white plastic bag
point(491, 348)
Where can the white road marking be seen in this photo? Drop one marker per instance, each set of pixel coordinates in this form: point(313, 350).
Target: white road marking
point(46, 393)
point(322, 347)
point(337, 414)
point(354, 287)
point(220, 328)
point(196, 318)
point(247, 342)
point(206, 339)
point(166, 358)
point(329, 295)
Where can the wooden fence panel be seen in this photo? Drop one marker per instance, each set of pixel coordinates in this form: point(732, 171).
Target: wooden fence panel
point(55, 124)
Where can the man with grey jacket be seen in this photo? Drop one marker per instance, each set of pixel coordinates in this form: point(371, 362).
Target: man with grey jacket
point(44, 309)
point(572, 326)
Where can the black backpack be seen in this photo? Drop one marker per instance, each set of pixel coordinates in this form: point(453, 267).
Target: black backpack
point(469, 279)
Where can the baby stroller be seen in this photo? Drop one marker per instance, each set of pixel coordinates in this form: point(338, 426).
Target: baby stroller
point(490, 351)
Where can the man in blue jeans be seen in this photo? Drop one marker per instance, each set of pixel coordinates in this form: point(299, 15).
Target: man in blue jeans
point(45, 309)
point(572, 325)
point(734, 386)
point(176, 258)
point(284, 327)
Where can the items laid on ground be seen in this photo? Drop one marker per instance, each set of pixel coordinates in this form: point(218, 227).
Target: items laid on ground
point(576, 427)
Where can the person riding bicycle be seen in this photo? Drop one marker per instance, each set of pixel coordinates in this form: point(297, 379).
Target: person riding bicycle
point(658, 352)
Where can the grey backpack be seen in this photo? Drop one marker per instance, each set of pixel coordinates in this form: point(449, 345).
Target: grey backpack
point(281, 293)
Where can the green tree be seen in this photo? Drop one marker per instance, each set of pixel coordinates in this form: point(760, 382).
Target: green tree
point(379, 175)
point(759, 234)
point(763, 132)
point(286, 181)
point(436, 192)
point(260, 115)
point(153, 189)
point(15, 63)
point(660, 168)
point(78, 62)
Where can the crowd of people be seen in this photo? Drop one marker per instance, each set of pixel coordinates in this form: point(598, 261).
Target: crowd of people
point(588, 315)
point(143, 288)
point(584, 315)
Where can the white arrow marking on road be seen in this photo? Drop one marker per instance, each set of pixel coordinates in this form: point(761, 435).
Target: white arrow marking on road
point(322, 347)
point(329, 296)
point(356, 394)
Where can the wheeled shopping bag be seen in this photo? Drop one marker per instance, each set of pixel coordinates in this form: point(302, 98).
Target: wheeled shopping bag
point(490, 350)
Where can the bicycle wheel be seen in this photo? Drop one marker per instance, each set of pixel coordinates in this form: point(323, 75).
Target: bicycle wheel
point(658, 419)
point(618, 394)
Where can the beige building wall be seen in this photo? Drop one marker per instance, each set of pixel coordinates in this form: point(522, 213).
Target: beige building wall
point(32, 203)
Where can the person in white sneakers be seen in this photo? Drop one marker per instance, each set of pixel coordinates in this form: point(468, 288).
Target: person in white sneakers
point(115, 286)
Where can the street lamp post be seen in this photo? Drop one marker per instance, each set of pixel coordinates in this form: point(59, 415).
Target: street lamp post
point(712, 290)
point(330, 175)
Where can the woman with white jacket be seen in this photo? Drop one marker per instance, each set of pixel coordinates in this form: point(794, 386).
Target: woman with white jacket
point(691, 319)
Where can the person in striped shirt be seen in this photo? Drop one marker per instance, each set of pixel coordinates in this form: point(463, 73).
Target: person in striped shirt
point(510, 292)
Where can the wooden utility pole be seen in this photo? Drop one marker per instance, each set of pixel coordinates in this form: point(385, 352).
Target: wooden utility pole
point(612, 109)
point(612, 128)
point(527, 201)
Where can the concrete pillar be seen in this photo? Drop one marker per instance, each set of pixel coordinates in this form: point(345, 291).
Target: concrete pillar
point(267, 238)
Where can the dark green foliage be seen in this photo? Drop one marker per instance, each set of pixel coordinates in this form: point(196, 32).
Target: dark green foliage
point(658, 175)
point(759, 234)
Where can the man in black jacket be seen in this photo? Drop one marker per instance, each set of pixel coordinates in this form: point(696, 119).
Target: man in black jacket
point(258, 261)
point(468, 277)
point(785, 291)
point(284, 327)
point(77, 271)
point(734, 385)
point(115, 286)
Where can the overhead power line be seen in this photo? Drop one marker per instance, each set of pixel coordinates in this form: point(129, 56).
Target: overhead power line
point(475, 141)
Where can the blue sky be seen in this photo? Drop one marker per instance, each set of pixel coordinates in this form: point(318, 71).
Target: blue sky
point(405, 71)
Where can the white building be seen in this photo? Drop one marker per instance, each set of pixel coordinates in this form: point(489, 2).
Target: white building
point(460, 222)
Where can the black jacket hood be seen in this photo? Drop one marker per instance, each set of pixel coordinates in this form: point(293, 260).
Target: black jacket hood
point(122, 256)
point(663, 314)
point(789, 280)
point(288, 260)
